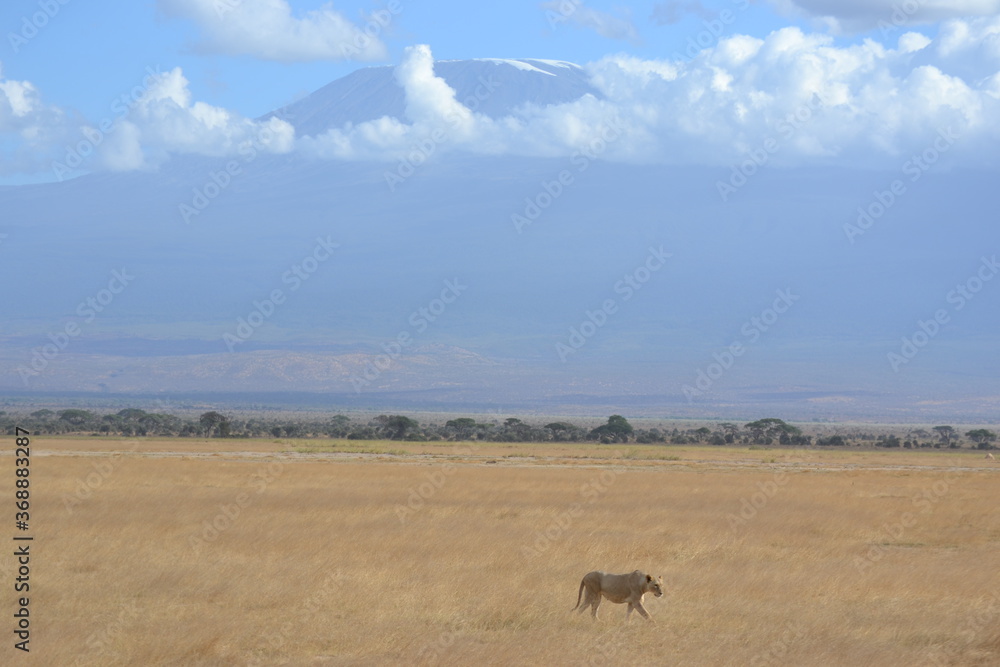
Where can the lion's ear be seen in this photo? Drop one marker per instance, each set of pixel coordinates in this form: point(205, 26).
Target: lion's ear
point(649, 577)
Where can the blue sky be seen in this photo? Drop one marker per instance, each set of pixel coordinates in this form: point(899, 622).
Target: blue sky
point(87, 53)
point(63, 63)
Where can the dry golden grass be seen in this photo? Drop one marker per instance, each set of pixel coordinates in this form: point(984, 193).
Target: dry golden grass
point(843, 561)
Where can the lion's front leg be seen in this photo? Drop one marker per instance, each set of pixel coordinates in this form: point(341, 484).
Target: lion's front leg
point(639, 608)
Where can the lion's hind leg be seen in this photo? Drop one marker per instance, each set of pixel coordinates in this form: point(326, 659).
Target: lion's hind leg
point(593, 601)
point(597, 603)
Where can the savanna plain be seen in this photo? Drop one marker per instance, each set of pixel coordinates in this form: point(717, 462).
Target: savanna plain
point(325, 552)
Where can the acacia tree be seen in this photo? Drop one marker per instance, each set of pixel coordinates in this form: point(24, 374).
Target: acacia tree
point(76, 417)
point(731, 431)
point(946, 433)
point(215, 422)
point(338, 426)
point(772, 428)
point(397, 427)
point(982, 437)
point(464, 428)
point(515, 429)
point(564, 431)
point(616, 430)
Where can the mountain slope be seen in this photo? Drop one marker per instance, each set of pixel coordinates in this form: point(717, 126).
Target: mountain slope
point(580, 275)
point(494, 87)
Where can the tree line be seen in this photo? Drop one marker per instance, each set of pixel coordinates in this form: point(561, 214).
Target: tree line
point(133, 422)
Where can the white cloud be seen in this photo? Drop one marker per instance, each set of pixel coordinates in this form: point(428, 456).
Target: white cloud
point(164, 120)
point(431, 108)
point(865, 104)
point(267, 30)
point(672, 11)
point(17, 101)
point(122, 149)
point(429, 98)
point(436, 123)
point(860, 105)
point(911, 42)
point(29, 129)
point(147, 125)
point(21, 106)
point(965, 48)
point(978, 37)
point(604, 24)
point(851, 16)
point(856, 105)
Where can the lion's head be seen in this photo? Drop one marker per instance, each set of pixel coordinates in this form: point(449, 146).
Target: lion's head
point(654, 586)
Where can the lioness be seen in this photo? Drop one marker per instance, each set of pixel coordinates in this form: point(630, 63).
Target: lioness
point(618, 588)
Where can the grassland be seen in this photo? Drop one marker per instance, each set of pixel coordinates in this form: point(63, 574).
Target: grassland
point(267, 552)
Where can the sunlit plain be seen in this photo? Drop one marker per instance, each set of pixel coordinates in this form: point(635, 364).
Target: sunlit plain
point(462, 554)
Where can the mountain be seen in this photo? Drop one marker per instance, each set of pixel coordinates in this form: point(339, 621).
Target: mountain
point(485, 279)
point(373, 92)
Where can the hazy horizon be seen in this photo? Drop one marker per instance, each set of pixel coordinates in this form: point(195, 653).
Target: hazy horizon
point(691, 208)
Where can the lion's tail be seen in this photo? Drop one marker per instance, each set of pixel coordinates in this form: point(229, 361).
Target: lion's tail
point(579, 594)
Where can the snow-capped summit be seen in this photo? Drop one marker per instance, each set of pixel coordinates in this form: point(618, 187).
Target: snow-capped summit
point(495, 87)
